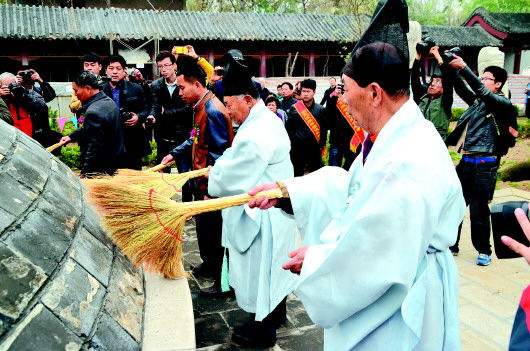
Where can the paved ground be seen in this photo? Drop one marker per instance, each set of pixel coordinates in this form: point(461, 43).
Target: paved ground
point(488, 301)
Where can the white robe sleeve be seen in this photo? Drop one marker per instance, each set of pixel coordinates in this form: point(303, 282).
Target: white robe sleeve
point(378, 241)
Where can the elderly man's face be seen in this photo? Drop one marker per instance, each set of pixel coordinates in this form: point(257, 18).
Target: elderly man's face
point(82, 93)
point(286, 91)
point(358, 102)
point(238, 107)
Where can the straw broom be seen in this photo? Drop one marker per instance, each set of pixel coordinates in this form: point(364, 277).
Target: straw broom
point(148, 227)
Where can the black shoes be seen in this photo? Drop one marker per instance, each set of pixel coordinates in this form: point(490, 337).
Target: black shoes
point(214, 291)
point(254, 335)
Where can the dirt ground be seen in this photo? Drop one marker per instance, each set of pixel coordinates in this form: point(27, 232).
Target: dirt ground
point(519, 153)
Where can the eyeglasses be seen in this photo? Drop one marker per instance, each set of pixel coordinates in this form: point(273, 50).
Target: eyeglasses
point(167, 65)
point(482, 79)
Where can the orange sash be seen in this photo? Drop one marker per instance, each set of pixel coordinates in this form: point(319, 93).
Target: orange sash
point(308, 119)
point(358, 134)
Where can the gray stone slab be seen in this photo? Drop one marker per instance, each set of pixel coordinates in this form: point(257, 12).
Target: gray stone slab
point(15, 198)
point(63, 214)
point(43, 241)
point(95, 257)
point(42, 330)
point(202, 306)
point(7, 136)
point(211, 330)
point(6, 219)
point(296, 313)
point(307, 339)
point(19, 281)
point(63, 193)
point(75, 297)
point(125, 300)
point(111, 336)
point(92, 223)
point(28, 168)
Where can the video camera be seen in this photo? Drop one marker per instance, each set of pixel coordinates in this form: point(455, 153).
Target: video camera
point(125, 115)
point(26, 76)
point(424, 46)
point(16, 89)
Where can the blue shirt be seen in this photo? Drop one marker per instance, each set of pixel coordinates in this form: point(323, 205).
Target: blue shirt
point(116, 97)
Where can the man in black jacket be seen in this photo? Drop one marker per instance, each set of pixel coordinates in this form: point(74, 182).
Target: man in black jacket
point(101, 137)
point(306, 142)
point(329, 91)
point(476, 138)
point(130, 100)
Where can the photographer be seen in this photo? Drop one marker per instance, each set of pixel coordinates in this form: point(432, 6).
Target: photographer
point(130, 100)
point(436, 98)
point(29, 112)
point(101, 137)
point(476, 137)
point(28, 77)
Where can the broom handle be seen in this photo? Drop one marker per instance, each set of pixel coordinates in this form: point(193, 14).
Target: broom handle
point(55, 146)
point(234, 200)
point(160, 167)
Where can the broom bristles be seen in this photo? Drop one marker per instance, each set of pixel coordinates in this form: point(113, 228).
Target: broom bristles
point(148, 227)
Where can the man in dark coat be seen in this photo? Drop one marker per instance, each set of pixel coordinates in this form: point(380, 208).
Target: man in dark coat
point(329, 91)
point(101, 136)
point(306, 128)
point(130, 99)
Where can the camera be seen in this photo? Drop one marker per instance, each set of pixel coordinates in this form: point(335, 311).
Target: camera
point(26, 76)
point(16, 90)
point(424, 46)
point(449, 55)
point(125, 115)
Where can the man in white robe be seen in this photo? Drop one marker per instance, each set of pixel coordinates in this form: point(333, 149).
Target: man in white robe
point(376, 272)
point(257, 241)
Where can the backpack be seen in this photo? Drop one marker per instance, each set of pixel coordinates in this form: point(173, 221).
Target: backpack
point(506, 132)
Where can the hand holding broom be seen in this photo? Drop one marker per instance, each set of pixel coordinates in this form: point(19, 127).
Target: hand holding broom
point(148, 227)
point(64, 140)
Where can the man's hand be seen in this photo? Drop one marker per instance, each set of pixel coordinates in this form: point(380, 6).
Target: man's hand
point(262, 202)
point(514, 244)
point(167, 159)
point(35, 76)
point(65, 140)
point(132, 121)
point(191, 52)
point(457, 63)
point(297, 260)
point(435, 51)
point(151, 119)
point(4, 91)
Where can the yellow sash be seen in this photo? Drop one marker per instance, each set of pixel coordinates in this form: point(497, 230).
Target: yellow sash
point(358, 133)
point(308, 119)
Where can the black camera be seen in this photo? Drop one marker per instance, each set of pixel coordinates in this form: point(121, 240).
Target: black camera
point(125, 115)
point(16, 90)
point(449, 55)
point(424, 46)
point(26, 76)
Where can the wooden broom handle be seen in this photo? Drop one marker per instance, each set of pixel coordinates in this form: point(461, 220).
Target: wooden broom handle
point(231, 201)
point(55, 146)
point(160, 166)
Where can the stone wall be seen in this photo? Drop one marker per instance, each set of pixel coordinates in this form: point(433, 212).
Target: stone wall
point(63, 284)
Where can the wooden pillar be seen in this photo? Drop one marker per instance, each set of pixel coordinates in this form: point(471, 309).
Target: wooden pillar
point(262, 64)
point(312, 64)
point(517, 61)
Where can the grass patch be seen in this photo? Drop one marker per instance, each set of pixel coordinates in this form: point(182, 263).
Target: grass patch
point(514, 172)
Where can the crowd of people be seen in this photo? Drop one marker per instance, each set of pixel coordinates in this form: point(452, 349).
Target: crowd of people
point(394, 146)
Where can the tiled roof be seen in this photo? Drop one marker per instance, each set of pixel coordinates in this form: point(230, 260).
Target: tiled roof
point(459, 36)
point(511, 23)
point(40, 22)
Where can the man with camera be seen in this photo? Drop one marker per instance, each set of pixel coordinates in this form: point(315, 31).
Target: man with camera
point(91, 63)
point(476, 136)
point(130, 101)
point(28, 77)
point(101, 137)
point(28, 110)
point(434, 99)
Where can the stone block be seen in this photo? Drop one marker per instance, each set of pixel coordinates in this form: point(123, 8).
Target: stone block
point(41, 330)
point(125, 298)
point(19, 281)
point(16, 198)
point(307, 339)
point(76, 297)
point(28, 168)
point(211, 330)
point(95, 257)
point(296, 313)
point(63, 214)
point(40, 239)
point(7, 137)
point(92, 223)
point(61, 192)
point(111, 336)
point(6, 219)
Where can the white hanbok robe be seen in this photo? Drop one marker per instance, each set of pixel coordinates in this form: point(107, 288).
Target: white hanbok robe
point(380, 275)
point(258, 241)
